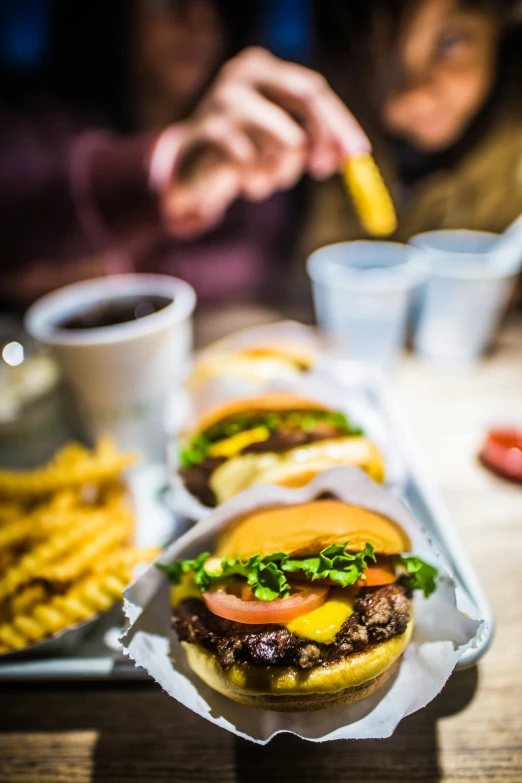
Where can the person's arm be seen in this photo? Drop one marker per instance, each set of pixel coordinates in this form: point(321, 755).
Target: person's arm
point(262, 125)
point(67, 193)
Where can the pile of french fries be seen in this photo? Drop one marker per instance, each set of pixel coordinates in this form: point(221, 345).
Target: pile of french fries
point(66, 552)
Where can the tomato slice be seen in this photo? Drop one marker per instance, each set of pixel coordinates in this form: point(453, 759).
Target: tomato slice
point(379, 574)
point(254, 612)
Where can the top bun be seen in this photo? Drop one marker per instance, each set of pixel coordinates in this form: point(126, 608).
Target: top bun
point(267, 403)
point(309, 528)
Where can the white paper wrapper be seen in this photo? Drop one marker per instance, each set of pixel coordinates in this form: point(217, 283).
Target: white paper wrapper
point(327, 390)
point(442, 633)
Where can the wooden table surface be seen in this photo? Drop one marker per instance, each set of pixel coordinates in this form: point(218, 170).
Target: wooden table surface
point(471, 732)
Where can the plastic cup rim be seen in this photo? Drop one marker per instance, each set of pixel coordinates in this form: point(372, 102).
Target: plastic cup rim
point(411, 272)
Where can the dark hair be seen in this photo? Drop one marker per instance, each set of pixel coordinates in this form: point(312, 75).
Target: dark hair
point(87, 65)
point(347, 33)
point(350, 23)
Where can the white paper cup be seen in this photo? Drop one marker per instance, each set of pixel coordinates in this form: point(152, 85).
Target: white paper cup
point(465, 294)
point(362, 294)
point(121, 375)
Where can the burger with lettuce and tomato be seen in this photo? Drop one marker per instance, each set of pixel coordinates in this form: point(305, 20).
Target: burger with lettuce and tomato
point(300, 607)
point(273, 439)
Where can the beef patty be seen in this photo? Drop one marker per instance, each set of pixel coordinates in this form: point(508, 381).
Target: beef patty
point(380, 613)
point(197, 477)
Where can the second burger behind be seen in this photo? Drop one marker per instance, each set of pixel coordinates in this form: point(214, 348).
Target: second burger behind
point(274, 439)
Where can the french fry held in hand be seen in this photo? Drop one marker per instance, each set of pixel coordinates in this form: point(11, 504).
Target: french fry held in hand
point(65, 543)
point(370, 195)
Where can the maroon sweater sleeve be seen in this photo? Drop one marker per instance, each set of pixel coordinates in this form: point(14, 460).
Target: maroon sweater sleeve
point(66, 193)
point(109, 179)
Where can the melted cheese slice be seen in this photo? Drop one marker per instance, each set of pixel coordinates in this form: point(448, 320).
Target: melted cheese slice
point(323, 624)
point(229, 447)
point(246, 470)
point(185, 590)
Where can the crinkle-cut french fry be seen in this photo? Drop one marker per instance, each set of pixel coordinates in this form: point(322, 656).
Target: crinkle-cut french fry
point(29, 627)
point(71, 609)
point(7, 558)
point(72, 466)
point(11, 639)
point(30, 566)
point(37, 523)
point(9, 511)
point(16, 532)
point(70, 454)
point(370, 195)
point(117, 498)
point(83, 602)
point(50, 617)
point(5, 612)
point(81, 560)
point(123, 561)
point(29, 596)
point(95, 593)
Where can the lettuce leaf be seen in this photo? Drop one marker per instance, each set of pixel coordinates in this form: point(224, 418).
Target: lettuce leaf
point(418, 575)
point(343, 568)
point(267, 575)
point(197, 448)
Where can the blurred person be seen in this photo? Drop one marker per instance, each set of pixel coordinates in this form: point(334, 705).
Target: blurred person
point(75, 197)
point(439, 91)
point(424, 79)
point(77, 201)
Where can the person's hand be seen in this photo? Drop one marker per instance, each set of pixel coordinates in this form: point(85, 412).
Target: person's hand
point(262, 125)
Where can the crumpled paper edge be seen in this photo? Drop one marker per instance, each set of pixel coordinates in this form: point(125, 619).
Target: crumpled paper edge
point(146, 604)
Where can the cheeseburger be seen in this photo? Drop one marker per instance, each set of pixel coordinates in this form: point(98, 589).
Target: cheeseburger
point(256, 364)
point(301, 607)
point(274, 439)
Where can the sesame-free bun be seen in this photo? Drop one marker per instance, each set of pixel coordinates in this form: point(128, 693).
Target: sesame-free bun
point(308, 528)
point(267, 403)
point(291, 689)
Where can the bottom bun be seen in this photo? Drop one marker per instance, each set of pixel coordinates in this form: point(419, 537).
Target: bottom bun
point(290, 689)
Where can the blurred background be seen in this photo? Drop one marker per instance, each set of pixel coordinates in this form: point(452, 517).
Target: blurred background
point(435, 84)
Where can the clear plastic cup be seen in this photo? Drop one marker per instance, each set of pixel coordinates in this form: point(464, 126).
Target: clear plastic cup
point(466, 291)
point(362, 294)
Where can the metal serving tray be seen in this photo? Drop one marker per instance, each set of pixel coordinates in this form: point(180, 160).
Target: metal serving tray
point(96, 656)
